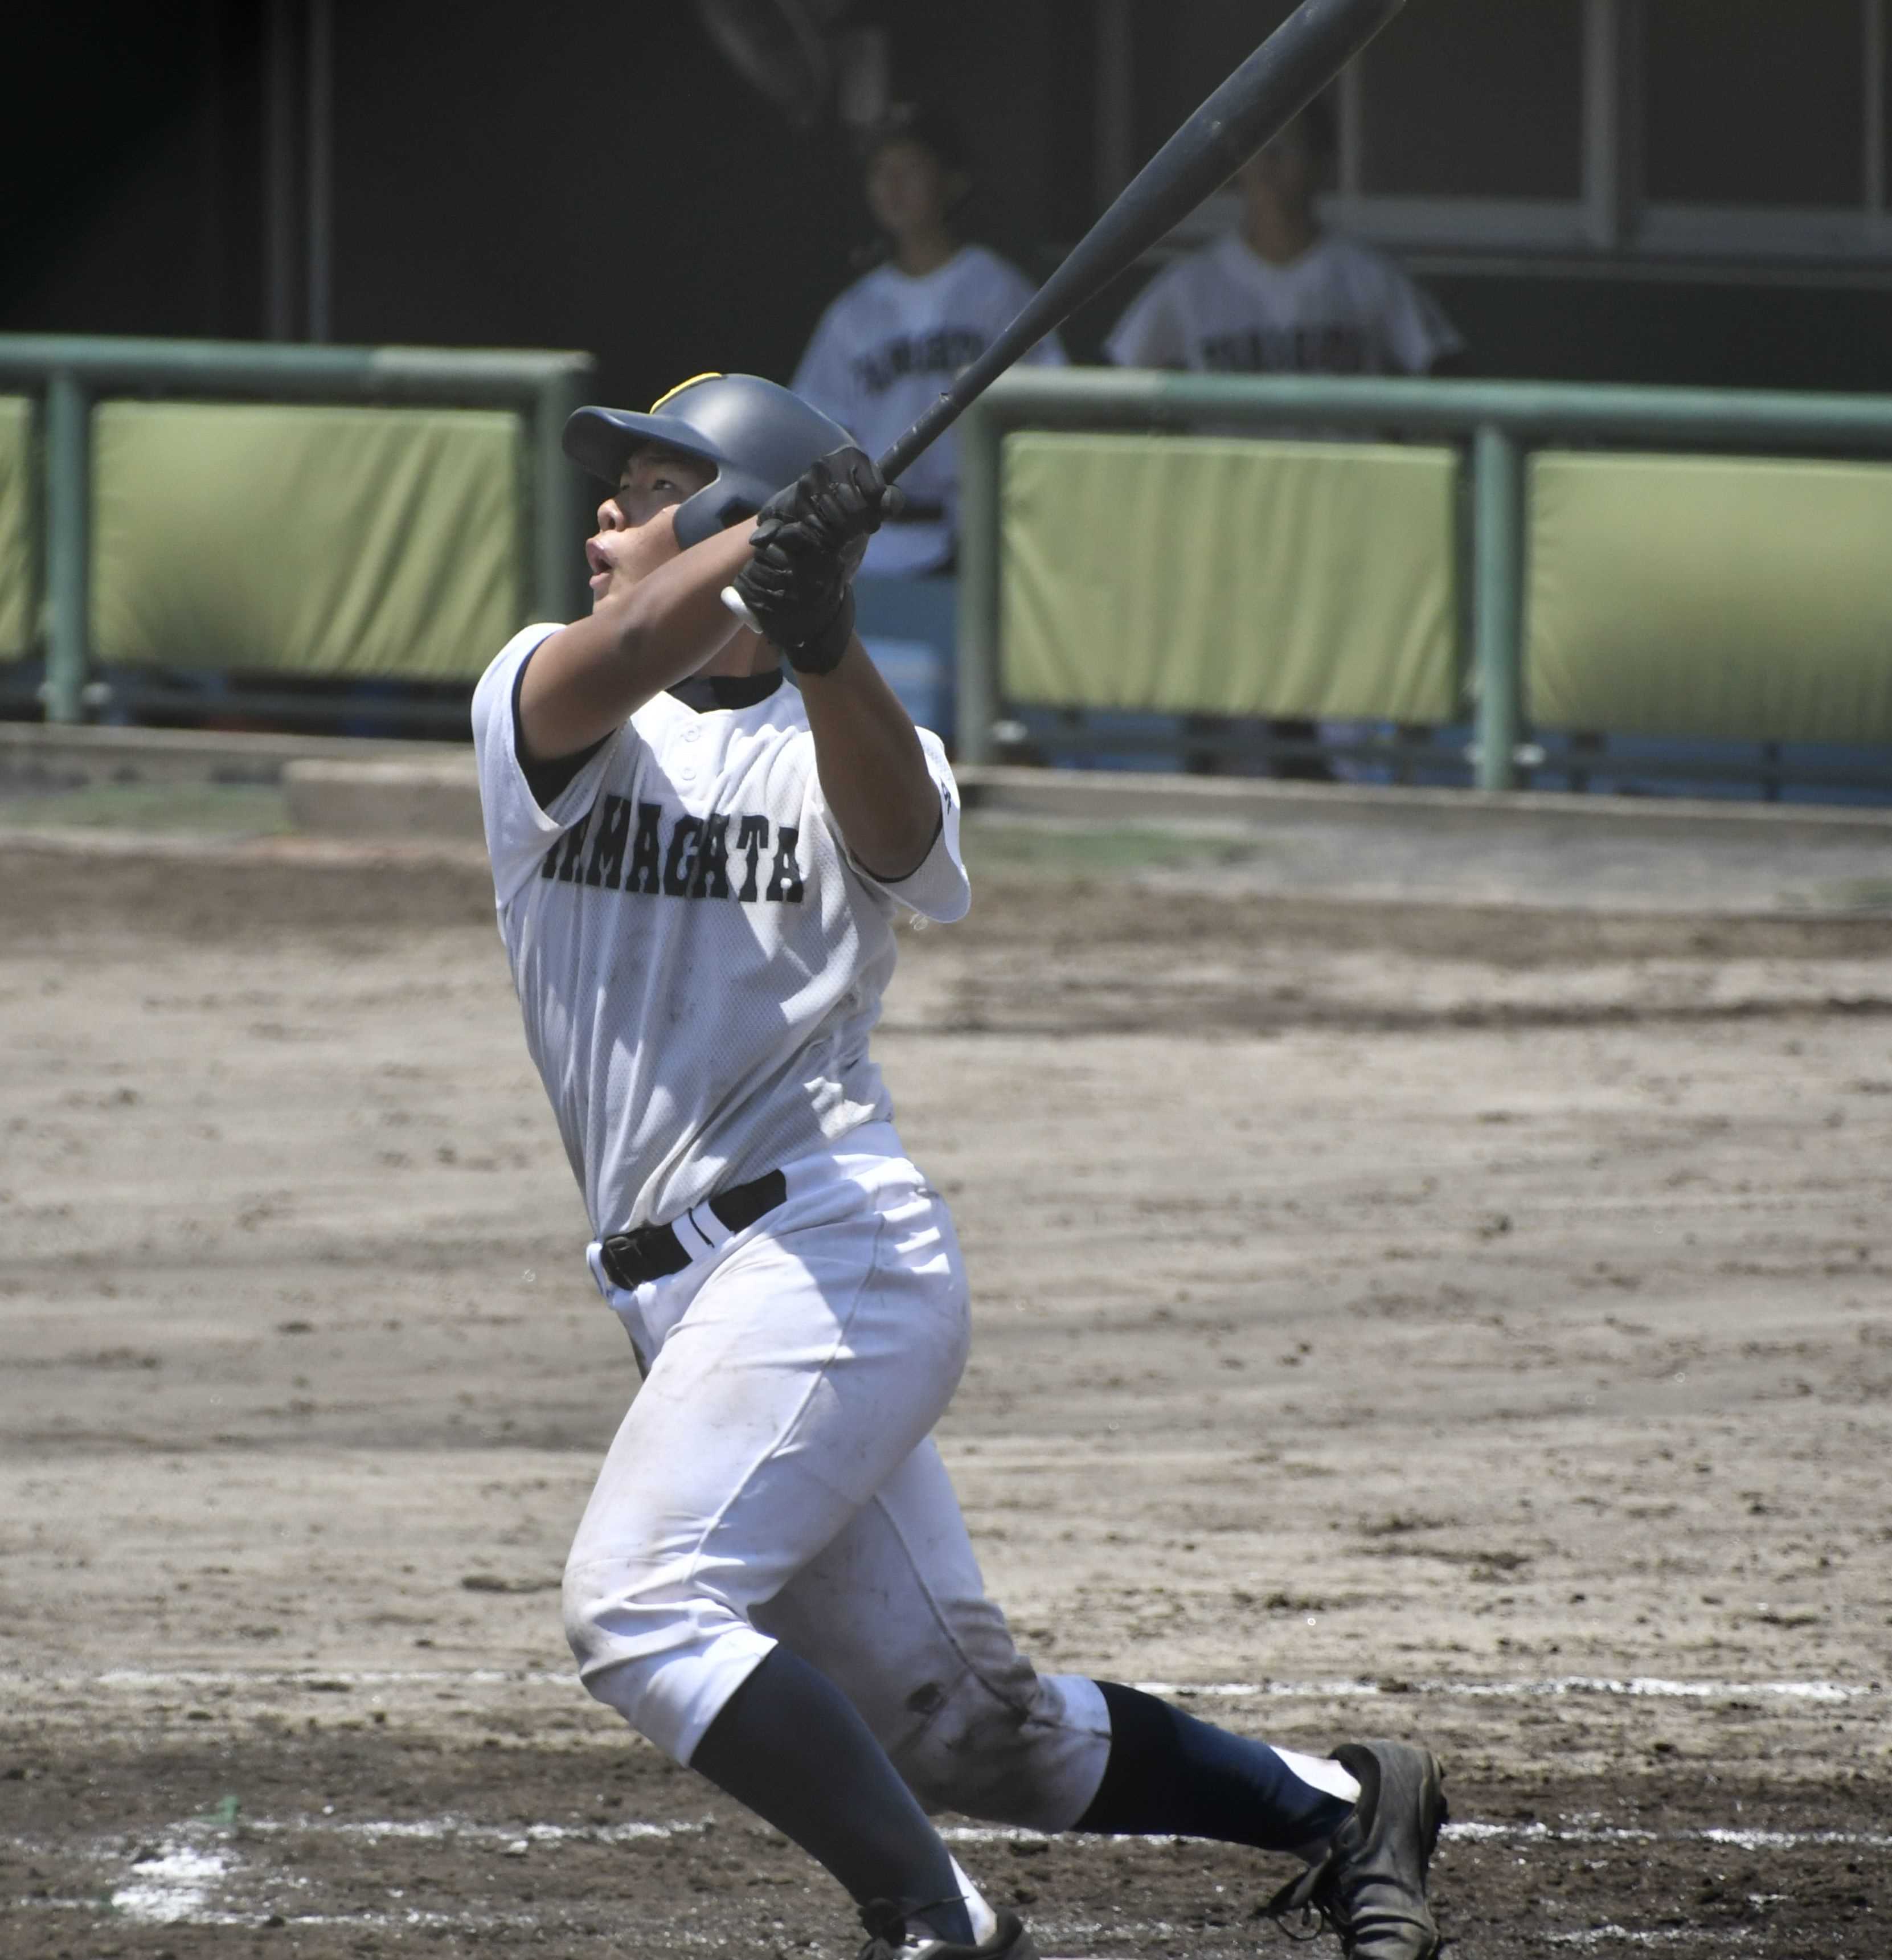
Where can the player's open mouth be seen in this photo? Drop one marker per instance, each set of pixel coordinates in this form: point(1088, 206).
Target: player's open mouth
point(600, 565)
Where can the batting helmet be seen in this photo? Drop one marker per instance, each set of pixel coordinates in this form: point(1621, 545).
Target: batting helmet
point(759, 437)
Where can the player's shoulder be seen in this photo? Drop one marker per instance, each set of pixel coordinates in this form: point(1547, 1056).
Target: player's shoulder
point(1204, 268)
point(982, 263)
point(881, 289)
point(864, 291)
point(494, 688)
point(978, 277)
point(857, 307)
point(1354, 259)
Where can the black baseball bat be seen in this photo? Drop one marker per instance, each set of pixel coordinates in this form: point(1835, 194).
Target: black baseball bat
point(1263, 96)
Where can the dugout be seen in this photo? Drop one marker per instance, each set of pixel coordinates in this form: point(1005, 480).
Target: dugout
point(1680, 193)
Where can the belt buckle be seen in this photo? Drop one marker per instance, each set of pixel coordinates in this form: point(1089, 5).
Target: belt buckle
point(620, 1251)
point(653, 1250)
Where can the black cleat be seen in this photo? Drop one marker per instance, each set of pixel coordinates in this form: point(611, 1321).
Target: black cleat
point(1370, 1888)
point(889, 1940)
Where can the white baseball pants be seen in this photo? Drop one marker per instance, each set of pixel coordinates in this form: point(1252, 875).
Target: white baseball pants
point(774, 1480)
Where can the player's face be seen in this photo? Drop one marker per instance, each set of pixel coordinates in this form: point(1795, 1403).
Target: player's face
point(909, 190)
point(628, 545)
point(1282, 173)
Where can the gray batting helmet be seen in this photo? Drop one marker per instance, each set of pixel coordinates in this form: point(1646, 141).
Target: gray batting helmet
point(759, 437)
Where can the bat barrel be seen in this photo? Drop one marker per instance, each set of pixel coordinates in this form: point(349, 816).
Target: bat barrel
point(1256, 102)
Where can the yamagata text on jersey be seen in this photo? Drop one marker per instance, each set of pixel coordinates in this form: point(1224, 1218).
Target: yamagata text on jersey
point(700, 858)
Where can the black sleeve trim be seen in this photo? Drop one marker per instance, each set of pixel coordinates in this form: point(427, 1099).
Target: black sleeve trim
point(880, 878)
point(547, 780)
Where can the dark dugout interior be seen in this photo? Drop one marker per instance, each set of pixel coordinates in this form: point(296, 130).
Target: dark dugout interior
point(601, 177)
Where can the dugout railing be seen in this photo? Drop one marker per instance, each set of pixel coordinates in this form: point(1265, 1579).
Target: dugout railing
point(1659, 564)
point(58, 391)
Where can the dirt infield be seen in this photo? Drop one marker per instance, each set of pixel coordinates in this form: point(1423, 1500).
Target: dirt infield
point(1465, 1323)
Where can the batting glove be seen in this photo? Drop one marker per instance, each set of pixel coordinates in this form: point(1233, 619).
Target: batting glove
point(806, 546)
point(803, 600)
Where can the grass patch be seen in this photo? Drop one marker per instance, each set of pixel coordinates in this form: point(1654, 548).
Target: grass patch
point(999, 843)
point(223, 809)
point(1844, 894)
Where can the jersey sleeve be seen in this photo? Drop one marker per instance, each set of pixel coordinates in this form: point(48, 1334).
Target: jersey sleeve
point(936, 888)
point(1412, 325)
point(1153, 332)
point(519, 832)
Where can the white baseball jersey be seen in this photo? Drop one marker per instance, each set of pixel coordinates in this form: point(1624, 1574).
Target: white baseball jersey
point(1340, 308)
point(885, 350)
point(699, 960)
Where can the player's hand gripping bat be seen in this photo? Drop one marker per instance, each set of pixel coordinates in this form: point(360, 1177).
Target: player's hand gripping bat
point(1256, 102)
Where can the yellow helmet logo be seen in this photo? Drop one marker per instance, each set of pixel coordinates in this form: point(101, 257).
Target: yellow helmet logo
point(670, 394)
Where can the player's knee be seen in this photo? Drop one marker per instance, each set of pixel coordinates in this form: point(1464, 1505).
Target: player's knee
point(1004, 1744)
point(585, 1608)
point(619, 1648)
point(613, 1617)
point(664, 1660)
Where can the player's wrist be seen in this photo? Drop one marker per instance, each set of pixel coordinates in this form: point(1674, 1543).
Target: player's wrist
point(842, 670)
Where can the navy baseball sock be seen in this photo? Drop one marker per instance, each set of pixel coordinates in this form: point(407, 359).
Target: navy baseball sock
point(1169, 1774)
point(789, 1745)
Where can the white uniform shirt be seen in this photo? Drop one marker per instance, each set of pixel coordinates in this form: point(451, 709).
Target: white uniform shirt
point(699, 960)
point(884, 352)
point(1340, 308)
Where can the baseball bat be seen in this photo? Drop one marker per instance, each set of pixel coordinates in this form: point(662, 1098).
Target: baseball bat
point(1257, 102)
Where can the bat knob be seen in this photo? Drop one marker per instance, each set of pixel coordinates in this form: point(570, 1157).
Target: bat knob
point(733, 600)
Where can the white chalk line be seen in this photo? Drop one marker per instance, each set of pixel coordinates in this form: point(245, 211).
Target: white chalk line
point(178, 1883)
point(1612, 1935)
point(1827, 1692)
point(511, 1839)
point(1733, 1836)
point(173, 1887)
point(1654, 1687)
point(463, 1830)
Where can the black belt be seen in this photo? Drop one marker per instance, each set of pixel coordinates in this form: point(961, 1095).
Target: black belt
point(629, 1258)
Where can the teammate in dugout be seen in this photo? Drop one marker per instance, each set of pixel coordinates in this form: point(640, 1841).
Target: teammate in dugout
point(889, 345)
point(1282, 293)
point(698, 867)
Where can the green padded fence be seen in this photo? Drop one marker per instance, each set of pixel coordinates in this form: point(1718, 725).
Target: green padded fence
point(315, 540)
point(1710, 596)
point(18, 582)
point(1204, 575)
point(1496, 426)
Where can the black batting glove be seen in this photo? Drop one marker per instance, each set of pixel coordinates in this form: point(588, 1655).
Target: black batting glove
point(803, 600)
point(836, 502)
point(808, 543)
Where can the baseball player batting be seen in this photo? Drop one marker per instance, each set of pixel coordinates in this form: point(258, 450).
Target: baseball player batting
point(698, 867)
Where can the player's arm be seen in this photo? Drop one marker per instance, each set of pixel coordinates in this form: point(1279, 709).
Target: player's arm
point(873, 772)
point(643, 636)
point(798, 588)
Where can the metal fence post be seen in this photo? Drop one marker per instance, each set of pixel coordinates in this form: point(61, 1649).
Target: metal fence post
point(68, 512)
point(558, 587)
point(1497, 600)
point(980, 435)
